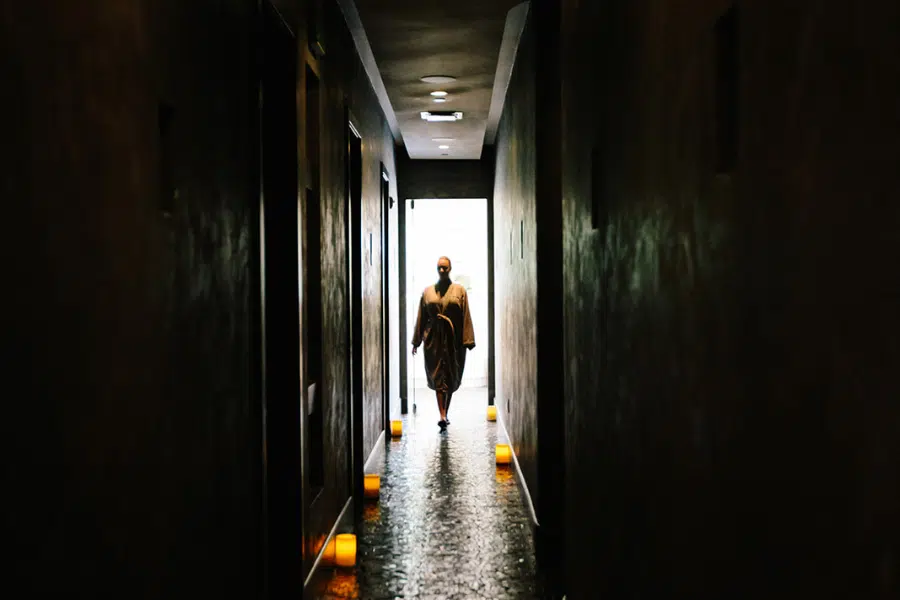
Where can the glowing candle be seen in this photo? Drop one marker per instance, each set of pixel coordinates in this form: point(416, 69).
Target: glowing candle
point(396, 428)
point(328, 553)
point(492, 413)
point(345, 549)
point(371, 486)
point(504, 454)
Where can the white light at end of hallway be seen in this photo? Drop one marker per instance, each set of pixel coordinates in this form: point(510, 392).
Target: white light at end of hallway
point(439, 94)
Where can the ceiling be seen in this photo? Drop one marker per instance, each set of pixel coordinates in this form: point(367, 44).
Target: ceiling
point(401, 41)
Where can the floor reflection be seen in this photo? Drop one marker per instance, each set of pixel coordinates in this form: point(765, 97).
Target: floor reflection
point(338, 583)
point(449, 522)
point(504, 475)
point(371, 512)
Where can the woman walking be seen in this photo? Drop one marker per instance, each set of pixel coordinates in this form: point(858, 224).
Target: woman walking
point(444, 325)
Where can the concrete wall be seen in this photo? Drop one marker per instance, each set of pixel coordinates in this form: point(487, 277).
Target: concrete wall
point(730, 339)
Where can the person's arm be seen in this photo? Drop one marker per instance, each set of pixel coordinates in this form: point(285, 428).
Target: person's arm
point(468, 335)
point(418, 332)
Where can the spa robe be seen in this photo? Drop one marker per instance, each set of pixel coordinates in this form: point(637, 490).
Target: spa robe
point(444, 325)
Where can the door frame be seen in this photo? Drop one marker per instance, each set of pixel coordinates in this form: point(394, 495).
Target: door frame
point(385, 194)
point(353, 231)
point(407, 378)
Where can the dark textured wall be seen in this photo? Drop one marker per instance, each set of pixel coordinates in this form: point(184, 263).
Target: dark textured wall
point(345, 85)
point(515, 263)
point(447, 178)
point(132, 452)
point(730, 340)
point(378, 149)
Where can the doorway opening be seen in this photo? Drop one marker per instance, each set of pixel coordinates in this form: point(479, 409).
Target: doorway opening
point(458, 229)
point(278, 283)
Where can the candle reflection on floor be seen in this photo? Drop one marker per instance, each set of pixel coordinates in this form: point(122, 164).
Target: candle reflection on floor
point(449, 522)
point(371, 512)
point(503, 474)
point(342, 584)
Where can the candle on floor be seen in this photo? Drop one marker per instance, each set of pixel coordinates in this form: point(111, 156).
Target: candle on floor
point(504, 454)
point(328, 553)
point(396, 428)
point(492, 413)
point(371, 485)
point(345, 549)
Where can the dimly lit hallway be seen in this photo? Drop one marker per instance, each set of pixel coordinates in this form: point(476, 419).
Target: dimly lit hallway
point(449, 523)
point(692, 320)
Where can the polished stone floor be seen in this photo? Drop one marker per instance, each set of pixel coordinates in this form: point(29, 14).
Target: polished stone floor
point(449, 524)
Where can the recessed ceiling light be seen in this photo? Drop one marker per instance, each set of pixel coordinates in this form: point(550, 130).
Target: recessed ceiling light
point(440, 99)
point(444, 147)
point(438, 79)
point(444, 139)
point(439, 93)
point(436, 117)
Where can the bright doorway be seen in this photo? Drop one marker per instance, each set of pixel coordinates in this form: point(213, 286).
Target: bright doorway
point(456, 228)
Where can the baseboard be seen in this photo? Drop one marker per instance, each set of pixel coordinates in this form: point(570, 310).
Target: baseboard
point(376, 454)
point(548, 543)
point(334, 529)
point(520, 478)
point(474, 384)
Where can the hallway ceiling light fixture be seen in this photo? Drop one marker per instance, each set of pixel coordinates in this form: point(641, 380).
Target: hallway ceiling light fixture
point(440, 99)
point(444, 147)
point(438, 79)
point(433, 117)
point(439, 94)
point(444, 139)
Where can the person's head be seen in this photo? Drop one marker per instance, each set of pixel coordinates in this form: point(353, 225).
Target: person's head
point(444, 267)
